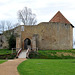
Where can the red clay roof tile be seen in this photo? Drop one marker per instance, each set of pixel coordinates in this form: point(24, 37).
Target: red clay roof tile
point(59, 18)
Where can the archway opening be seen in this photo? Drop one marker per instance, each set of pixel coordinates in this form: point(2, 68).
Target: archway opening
point(27, 43)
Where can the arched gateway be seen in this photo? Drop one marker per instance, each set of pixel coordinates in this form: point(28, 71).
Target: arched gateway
point(27, 43)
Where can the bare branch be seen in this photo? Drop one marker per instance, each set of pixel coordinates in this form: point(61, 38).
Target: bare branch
point(26, 16)
point(2, 25)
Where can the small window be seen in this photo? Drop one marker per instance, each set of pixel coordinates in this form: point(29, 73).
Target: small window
point(22, 28)
point(65, 24)
point(1, 40)
point(35, 35)
point(1, 45)
point(11, 33)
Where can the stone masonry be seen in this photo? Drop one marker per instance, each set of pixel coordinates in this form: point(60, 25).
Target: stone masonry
point(57, 34)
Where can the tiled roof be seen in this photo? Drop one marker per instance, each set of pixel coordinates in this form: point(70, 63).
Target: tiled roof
point(59, 18)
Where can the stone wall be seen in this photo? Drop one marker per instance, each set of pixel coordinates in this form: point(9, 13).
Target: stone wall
point(49, 36)
point(44, 36)
point(17, 32)
point(3, 42)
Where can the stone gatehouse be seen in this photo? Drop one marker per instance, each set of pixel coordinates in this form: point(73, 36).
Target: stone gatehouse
point(57, 34)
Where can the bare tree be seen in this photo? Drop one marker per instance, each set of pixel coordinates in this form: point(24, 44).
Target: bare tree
point(5, 25)
point(26, 16)
point(2, 25)
point(9, 25)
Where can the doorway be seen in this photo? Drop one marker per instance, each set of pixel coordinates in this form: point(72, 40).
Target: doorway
point(27, 43)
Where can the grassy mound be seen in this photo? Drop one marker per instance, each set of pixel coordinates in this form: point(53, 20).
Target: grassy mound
point(53, 54)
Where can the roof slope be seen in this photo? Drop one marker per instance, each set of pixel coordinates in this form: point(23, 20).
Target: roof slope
point(59, 18)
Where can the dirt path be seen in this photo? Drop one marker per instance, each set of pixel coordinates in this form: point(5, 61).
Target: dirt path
point(10, 67)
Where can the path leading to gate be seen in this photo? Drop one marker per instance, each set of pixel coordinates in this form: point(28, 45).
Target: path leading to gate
point(10, 67)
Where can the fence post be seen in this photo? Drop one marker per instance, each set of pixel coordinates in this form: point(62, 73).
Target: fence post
point(37, 50)
point(12, 50)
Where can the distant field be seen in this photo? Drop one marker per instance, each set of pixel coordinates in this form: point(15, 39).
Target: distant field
point(47, 67)
point(2, 61)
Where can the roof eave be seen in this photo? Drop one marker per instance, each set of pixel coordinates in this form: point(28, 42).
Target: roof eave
point(72, 25)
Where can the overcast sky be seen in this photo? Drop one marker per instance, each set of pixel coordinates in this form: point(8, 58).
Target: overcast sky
point(44, 9)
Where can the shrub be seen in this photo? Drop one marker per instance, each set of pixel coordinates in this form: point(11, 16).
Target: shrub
point(12, 42)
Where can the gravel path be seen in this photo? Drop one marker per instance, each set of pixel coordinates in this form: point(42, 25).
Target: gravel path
point(10, 67)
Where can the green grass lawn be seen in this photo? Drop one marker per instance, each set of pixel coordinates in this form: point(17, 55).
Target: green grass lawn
point(7, 54)
point(72, 51)
point(47, 67)
point(2, 61)
point(5, 51)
